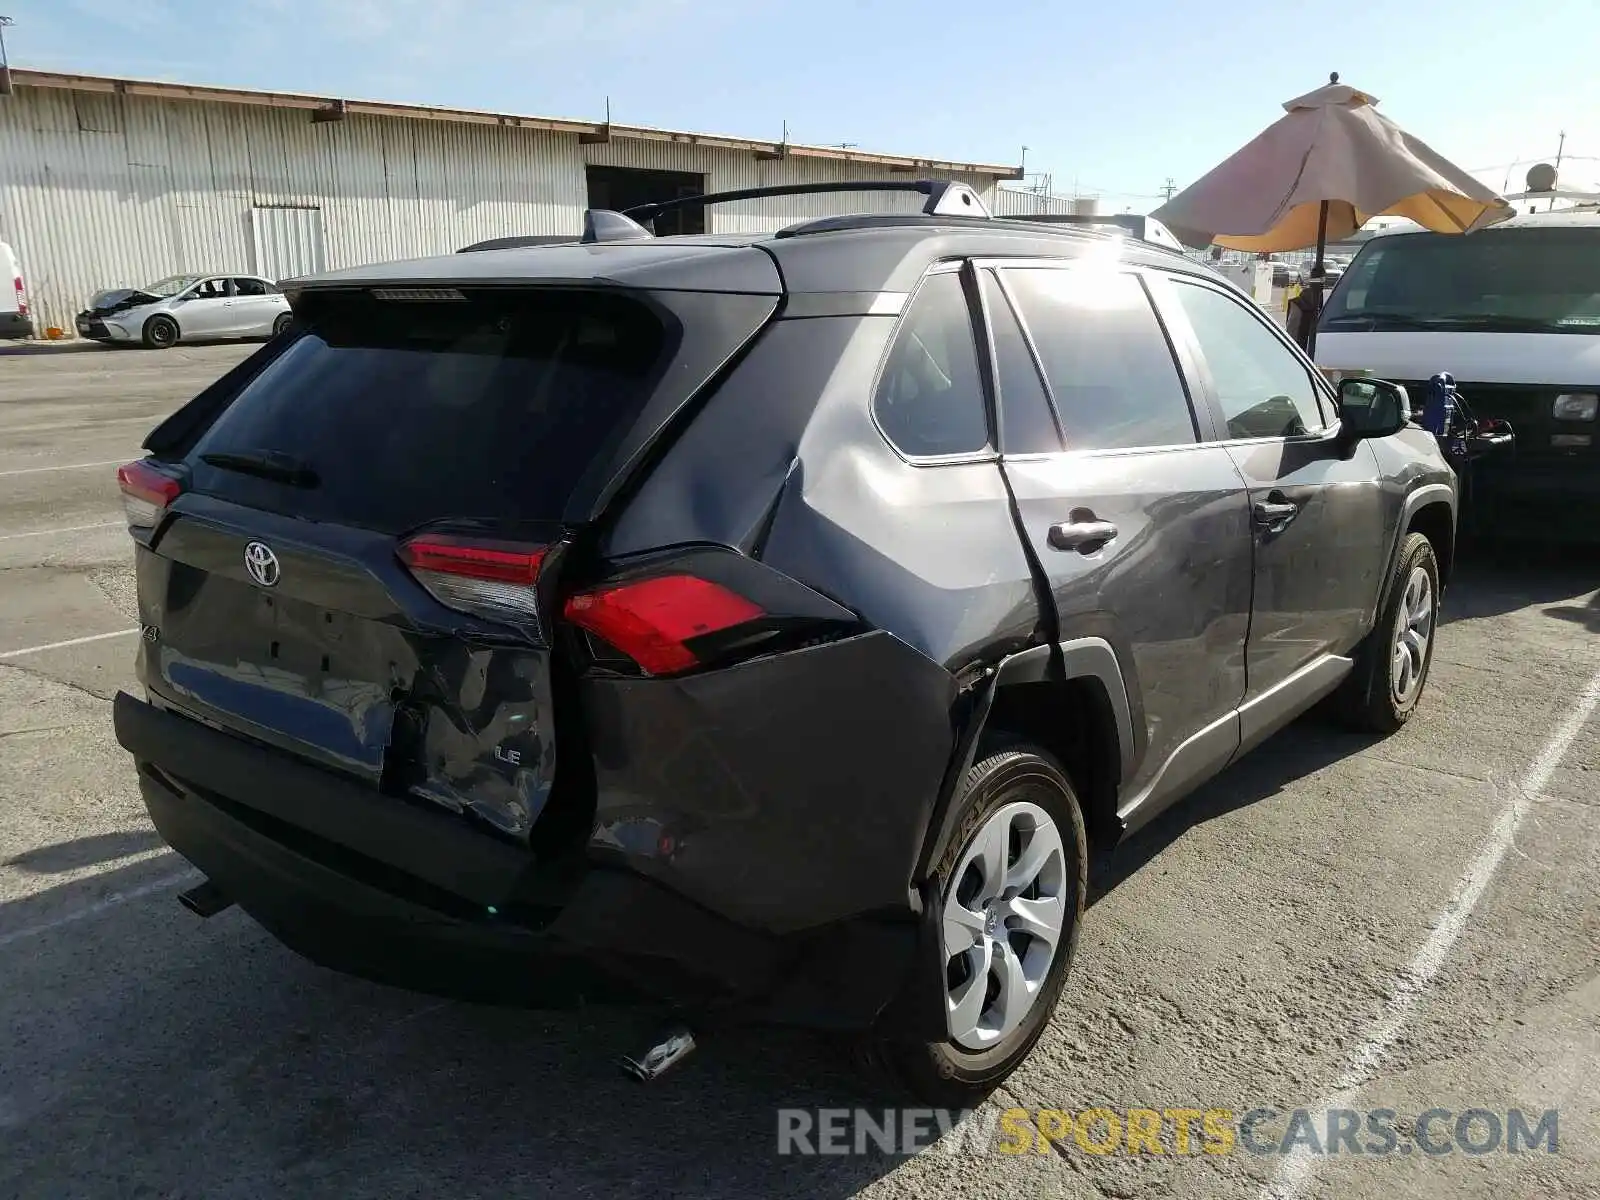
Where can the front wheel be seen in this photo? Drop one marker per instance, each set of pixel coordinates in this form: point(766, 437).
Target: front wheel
point(1012, 888)
point(160, 332)
point(1392, 665)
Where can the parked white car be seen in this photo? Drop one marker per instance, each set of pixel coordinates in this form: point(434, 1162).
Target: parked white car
point(187, 308)
point(14, 319)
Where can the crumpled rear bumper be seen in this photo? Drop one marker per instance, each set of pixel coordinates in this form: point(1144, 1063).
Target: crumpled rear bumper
point(374, 886)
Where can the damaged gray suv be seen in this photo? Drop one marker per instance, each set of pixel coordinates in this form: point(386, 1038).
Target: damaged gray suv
point(766, 624)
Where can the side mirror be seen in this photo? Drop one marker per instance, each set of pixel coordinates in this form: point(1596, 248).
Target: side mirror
point(1372, 408)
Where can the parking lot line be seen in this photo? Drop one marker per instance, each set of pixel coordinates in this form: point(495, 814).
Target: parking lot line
point(93, 637)
point(1296, 1171)
point(109, 462)
point(6, 537)
point(99, 906)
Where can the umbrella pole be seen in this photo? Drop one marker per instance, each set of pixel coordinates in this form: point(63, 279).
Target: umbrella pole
point(1317, 271)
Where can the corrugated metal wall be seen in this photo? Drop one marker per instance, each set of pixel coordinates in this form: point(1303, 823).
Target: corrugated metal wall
point(287, 240)
point(1014, 202)
point(101, 190)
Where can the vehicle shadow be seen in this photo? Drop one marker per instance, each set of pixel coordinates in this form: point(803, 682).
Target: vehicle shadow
point(1307, 745)
point(202, 1058)
point(1493, 578)
point(20, 349)
point(84, 852)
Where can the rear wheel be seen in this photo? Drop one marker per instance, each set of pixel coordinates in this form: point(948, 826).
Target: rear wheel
point(160, 332)
point(281, 325)
point(1011, 888)
point(1392, 665)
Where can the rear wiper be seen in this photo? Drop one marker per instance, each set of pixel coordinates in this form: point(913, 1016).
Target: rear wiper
point(268, 464)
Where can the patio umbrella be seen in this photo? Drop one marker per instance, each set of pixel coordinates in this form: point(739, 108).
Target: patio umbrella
point(1323, 170)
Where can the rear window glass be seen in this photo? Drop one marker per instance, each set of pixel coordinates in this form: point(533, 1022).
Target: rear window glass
point(411, 411)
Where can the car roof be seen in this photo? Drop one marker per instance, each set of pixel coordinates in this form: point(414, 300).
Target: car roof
point(835, 254)
point(1561, 218)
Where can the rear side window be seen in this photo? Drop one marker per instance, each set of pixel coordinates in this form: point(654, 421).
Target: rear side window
point(929, 401)
point(408, 412)
point(1263, 388)
point(249, 287)
point(1106, 358)
point(1026, 423)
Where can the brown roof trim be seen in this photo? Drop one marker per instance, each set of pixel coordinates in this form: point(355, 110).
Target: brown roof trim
point(587, 130)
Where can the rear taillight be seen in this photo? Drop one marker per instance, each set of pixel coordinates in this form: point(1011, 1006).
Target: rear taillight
point(496, 580)
point(653, 621)
point(146, 492)
point(22, 301)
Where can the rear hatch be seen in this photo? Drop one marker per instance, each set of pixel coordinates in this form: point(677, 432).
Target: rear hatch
point(349, 551)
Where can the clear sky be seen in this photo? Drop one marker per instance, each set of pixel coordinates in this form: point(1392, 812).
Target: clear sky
point(1110, 98)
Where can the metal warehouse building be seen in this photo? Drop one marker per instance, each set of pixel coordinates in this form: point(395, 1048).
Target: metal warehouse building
point(118, 182)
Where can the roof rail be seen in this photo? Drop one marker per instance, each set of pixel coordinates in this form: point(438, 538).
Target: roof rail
point(518, 241)
point(1146, 229)
point(946, 197)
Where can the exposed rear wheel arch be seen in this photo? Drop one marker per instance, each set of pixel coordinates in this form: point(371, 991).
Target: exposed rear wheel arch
point(1072, 720)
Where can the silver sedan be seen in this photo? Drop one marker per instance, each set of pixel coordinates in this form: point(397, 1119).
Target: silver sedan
point(187, 308)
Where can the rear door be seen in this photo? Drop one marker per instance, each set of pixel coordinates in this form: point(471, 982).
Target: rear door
point(1321, 535)
point(256, 305)
point(356, 569)
point(1138, 518)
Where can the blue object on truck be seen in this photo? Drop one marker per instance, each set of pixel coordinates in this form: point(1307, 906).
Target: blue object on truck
point(1439, 417)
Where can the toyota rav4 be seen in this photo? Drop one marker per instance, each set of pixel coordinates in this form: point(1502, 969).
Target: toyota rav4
point(764, 623)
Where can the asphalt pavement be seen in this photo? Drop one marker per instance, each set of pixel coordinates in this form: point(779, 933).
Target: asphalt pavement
point(1336, 923)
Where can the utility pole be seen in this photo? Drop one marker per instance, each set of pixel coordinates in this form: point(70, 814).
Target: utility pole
point(5, 66)
point(1167, 189)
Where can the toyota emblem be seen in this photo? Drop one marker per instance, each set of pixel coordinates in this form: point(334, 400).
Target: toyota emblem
point(262, 564)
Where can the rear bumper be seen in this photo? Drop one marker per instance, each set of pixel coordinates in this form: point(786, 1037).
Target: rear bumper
point(376, 887)
point(15, 325)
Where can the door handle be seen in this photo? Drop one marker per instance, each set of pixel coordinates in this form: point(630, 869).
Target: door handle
point(1275, 514)
point(1083, 536)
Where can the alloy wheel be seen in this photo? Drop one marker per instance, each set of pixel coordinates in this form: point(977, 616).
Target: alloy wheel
point(1004, 917)
point(1413, 630)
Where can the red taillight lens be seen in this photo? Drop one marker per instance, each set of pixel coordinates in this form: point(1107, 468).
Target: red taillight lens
point(497, 580)
point(22, 301)
point(146, 492)
point(651, 620)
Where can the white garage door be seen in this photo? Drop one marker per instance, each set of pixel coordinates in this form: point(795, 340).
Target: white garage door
point(288, 241)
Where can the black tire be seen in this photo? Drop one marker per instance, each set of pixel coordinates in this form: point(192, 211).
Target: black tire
point(282, 325)
point(1368, 700)
point(944, 1073)
point(160, 332)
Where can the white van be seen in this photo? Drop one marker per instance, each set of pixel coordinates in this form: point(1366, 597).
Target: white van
point(1513, 312)
point(14, 319)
